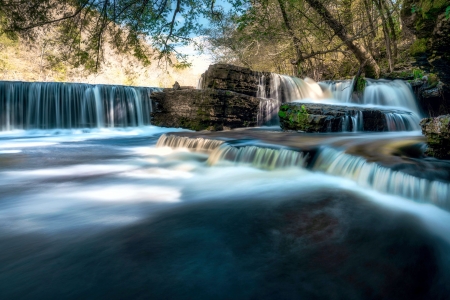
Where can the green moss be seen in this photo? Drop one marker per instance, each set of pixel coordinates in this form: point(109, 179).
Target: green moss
point(418, 47)
point(433, 80)
point(417, 73)
point(360, 84)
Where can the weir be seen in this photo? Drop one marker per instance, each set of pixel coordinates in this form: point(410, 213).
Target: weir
point(49, 105)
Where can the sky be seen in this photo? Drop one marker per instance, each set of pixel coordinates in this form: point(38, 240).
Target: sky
point(201, 61)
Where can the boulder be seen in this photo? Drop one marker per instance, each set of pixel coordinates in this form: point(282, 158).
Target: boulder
point(311, 117)
point(203, 109)
point(231, 78)
point(437, 133)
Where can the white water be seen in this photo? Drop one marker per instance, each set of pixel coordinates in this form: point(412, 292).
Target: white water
point(259, 157)
point(197, 144)
point(133, 170)
point(374, 176)
point(341, 90)
point(396, 95)
point(90, 205)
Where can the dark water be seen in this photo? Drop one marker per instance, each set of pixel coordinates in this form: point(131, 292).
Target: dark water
point(105, 214)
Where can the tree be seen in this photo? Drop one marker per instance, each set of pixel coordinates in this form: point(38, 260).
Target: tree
point(84, 26)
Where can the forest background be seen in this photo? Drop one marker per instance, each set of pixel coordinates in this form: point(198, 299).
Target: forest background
point(138, 42)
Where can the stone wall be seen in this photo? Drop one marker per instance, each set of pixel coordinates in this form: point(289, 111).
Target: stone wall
point(204, 109)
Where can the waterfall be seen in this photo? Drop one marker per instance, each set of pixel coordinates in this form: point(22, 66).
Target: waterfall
point(200, 82)
point(195, 144)
point(260, 157)
point(287, 89)
point(48, 105)
point(402, 122)
point(275, 89)
point(385, 180)
point(328, 160)
point(353, 121)
point(395, 93)
point(341, 90)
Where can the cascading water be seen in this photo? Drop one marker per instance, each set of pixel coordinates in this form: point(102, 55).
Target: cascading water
point(340, 89)
point(196, 144)
point(394, 93)
point(328, 160)
point(276, 89)
point(48, 105)
point(372, 175)
point(200, 83)
point(260, 157)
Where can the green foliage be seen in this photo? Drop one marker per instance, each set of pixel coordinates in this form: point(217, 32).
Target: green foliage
point(418, 47)
point(415, 9)
point(84, 27)
point(447, 12)
point(429, 9)
point(417, 73)
point(360, 84)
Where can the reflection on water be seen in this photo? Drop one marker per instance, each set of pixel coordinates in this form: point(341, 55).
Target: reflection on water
point(106, 214)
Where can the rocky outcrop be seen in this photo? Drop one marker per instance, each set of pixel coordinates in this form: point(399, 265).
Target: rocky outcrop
point(427, 20)
point(437, 132)
point(203, 109)
point(231, 78)
point(309, 117)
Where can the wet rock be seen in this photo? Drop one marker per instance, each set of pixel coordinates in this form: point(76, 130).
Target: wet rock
point(204, 109)
point(231, 78)
point(310, 117)
point(437, 132)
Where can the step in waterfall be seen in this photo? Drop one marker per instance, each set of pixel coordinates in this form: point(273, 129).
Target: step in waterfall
point(327, 160)
point(393, 93)
point(396, 95)
point(50, 105)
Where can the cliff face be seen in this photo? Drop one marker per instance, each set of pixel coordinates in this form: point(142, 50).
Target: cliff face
point(25, 60)
point(204, 109)
point(429, 21)
point(231, 78)
point(437, 132)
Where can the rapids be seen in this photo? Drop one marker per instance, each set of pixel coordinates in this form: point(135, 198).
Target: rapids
point(101, 213)
point(96, 203)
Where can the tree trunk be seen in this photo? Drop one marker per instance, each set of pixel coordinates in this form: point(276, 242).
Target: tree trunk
point(373, 31)
point(387, 38)
point(371, 67)
point(393, 34)
point(295, 40)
